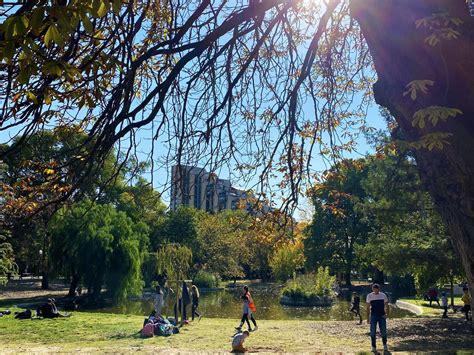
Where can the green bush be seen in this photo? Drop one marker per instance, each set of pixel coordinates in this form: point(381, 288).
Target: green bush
point(310, 286)
point(205, 279)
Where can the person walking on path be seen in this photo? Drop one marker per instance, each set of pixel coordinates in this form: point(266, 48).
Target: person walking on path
point(247, 310)
point(159, 300)
point(195, 302)
point(377, 312)
point(355, 306)
point(444, 304)
point(466, 298)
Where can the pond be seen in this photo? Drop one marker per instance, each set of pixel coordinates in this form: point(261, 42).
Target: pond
point(226, 304)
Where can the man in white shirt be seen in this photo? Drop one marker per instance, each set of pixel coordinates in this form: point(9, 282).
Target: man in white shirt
point(377, 312)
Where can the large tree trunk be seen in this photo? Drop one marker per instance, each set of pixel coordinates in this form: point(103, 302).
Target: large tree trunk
point(73, 285)
point(401, 54)
point(44, 281)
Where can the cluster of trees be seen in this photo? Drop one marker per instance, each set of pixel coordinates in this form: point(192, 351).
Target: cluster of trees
point(110, 233)
point(373, 217)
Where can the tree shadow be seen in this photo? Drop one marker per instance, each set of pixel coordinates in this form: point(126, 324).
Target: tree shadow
point(433, 335)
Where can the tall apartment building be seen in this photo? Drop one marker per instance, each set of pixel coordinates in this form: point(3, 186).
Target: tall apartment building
point(195, 187)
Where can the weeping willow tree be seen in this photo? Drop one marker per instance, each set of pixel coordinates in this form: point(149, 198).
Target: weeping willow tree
point(259, 87)
point(7, 260)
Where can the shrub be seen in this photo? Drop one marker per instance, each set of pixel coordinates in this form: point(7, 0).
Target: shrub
point(311, 286)
point(205, 279)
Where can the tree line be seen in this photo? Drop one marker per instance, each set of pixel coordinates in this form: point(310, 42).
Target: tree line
point(371, 216)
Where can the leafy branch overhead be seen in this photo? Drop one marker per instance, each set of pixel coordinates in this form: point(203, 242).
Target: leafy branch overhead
point(218, 82)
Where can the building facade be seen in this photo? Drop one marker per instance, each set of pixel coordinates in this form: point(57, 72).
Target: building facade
point(195, 187)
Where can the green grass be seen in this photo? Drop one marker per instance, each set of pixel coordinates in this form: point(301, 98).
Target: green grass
point(435, 310)
point(100, 331)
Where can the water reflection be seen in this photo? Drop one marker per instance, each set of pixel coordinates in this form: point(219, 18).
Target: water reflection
point(226, 304)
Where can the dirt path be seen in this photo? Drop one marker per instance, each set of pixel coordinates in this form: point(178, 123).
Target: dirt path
point(31, 288)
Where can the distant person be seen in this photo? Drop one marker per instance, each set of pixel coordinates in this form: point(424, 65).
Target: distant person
point(355, 306)
point(377, 311)
point(186, 297)
point(432, 296)
point(444, 304)
point(159, 300)
point(466, 298)
point(238, 341)
point(247, 310)
point(195, 302)
point(49, 310)
point(183, 303)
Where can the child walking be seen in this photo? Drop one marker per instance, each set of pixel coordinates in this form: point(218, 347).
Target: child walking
point(247, 309)
point(355, 306)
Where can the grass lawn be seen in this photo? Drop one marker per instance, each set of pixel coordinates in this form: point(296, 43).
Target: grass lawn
point(435, 310)
point(118, 333)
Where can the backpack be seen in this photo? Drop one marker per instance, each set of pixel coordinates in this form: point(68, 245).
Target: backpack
point(148, 330)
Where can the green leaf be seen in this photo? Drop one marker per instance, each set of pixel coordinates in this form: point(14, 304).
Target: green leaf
point(87, 24)
point(19, 28)
point(37, 20)
point(53, 35)
point(24, 76)
point(9, 26)
point(9, 49)
point(117, 5)
point(32, 97)
point(103, 8)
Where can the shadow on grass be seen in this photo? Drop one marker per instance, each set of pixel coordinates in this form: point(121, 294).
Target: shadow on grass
point(433, 335)
point(125, 335)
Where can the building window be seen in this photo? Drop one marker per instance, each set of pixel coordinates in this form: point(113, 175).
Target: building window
point(197, 191)
point(210, 197)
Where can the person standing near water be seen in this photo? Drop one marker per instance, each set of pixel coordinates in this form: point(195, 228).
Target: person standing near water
point(247, 310)
point(377, 311)
point(195, 302)
point(355, 306)
point(159, 300)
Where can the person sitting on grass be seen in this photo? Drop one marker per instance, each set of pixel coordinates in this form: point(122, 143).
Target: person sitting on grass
point(238, 341)
point(49, 310)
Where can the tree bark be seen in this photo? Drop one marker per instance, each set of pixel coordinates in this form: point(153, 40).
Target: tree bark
point(401, 54)
point(44, 280)
point(73, 286)
point(379, 277)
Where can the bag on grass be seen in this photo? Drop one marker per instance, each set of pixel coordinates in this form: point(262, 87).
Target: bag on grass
point(148, 330)
point(23, 315)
